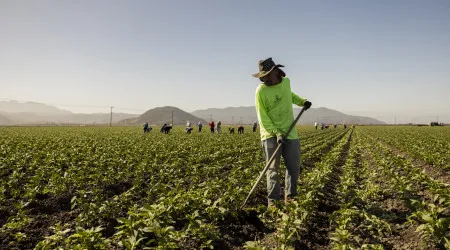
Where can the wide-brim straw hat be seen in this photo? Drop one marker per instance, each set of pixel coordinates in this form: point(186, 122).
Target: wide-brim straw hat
point(265, 67)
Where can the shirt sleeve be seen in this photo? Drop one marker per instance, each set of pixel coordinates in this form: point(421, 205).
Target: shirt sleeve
point(297, 100)
point(264, 120)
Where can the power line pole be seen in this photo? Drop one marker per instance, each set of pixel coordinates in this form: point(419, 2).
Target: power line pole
point(110, 118)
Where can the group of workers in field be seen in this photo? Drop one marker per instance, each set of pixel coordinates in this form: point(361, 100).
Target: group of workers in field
point(326, 126)
point(214, 127)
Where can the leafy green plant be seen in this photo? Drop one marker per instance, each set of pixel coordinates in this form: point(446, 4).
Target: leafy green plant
point(433, 225)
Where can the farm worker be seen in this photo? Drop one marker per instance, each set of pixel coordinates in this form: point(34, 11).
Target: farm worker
point(255, 124)
point(211, 126)
point(200, 125)
point(163, 127)
point(315, 125)
point(145, 127)
point(218, 126)
point(273, 101)
point(188, 127)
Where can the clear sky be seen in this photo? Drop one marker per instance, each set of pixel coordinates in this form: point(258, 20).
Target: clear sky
point(379, 58)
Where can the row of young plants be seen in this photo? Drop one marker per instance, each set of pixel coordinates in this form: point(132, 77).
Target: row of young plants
point(178, 179)
point(170, 172)
point(155, 178)
point(317, 134)
point(419, 142)
point(291, 220)
point(322, 140)
point(428, 199)
point(352, 223)
point(231, 203)
point(313, 154)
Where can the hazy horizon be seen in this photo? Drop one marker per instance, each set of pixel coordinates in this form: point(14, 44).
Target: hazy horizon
point(388, 118)
point(378, 59)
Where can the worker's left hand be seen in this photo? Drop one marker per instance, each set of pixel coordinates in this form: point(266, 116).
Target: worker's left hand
point(307, 105)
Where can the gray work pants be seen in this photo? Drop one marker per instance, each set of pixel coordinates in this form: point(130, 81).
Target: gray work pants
point(291, 154)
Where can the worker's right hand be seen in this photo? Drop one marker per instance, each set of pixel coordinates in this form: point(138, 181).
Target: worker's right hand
point(280, 139)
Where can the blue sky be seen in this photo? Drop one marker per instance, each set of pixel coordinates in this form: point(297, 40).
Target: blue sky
point(379, 58)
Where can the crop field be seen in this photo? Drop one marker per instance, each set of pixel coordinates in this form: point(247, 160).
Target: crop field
point(369, 187)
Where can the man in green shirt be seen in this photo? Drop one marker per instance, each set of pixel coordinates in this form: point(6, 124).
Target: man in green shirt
point(273, 101)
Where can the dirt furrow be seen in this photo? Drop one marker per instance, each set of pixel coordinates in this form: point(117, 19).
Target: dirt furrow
point(319, 227)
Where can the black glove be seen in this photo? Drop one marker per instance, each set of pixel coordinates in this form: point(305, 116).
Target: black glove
point(307, 105)
point(280, 139)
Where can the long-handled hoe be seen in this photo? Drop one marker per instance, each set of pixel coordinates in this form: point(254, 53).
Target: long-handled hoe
point(272, 158)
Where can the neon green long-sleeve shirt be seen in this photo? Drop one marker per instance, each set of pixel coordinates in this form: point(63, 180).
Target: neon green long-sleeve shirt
point(274, 109)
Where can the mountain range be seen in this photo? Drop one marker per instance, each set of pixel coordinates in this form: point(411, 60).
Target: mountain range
point(17, 113)
point(247, 115)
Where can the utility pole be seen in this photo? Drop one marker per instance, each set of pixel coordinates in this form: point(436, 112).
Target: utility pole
point(172, 117)
point(110, 118)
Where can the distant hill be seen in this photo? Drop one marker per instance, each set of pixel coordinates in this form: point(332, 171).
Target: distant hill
point(31, 107)
point(226, 115)
point(4, 120)
point(161, 115)
point(39, 113)
point(248, 115)
point(96, 118)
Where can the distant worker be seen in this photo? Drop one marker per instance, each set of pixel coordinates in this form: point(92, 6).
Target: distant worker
point(146, 127)
point(254, 126)
point(218, 126)
point(211, 126)
point(335, 125)
point(188, 124)
point(165, 128)
point(322, 126)
point(315, 125)
point(189, 129)
point(199, 125)
point(240, 129)
point(345, 126)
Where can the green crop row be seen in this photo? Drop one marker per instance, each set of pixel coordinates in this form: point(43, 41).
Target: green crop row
point(429, 209)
